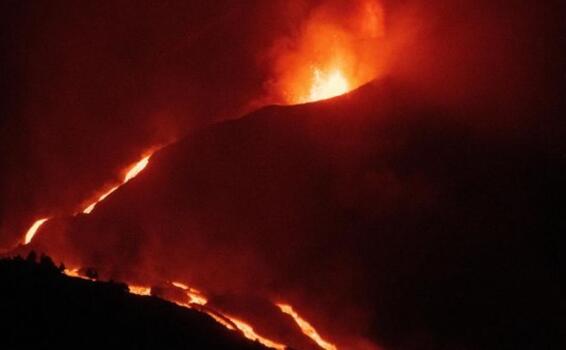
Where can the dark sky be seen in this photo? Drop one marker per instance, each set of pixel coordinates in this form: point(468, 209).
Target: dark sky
point(423, 209)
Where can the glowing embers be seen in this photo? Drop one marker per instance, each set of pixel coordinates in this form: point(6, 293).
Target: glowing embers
point(33, 230)
point(306, 327)
point(327, 85)
point(131, 173)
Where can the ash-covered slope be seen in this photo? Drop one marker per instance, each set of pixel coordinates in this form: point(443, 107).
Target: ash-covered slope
point(42, 308)
point(380, 215)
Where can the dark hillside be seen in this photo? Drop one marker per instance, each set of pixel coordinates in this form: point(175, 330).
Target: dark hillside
point(42, 308)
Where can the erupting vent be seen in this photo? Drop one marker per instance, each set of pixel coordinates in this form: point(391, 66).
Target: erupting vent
point(328, 85)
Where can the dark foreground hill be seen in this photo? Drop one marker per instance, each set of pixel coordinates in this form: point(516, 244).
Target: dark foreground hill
point(42, 308)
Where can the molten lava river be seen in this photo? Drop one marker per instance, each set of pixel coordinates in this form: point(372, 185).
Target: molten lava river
point(195, 299)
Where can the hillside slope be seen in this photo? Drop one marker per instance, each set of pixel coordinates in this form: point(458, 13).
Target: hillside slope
point(417, 222)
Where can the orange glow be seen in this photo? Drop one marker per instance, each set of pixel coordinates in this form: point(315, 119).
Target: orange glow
point(249, 333)
point(72, 273)
point(220, 320)
point(338, 47)
point(75, 273)
point(326, 86)
point(33, 230)
point(306, 327)
point(130, 174)
point(139, 290)
point(195, 296)
point(136, 169)
point(180, 285)
point(200, 306)
point(90, 208)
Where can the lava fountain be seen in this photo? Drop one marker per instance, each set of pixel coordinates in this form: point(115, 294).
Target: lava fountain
point(327, 85)
point(338, 48)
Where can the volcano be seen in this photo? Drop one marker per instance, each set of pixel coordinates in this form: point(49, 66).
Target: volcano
point(376, 206)
point(321, 174)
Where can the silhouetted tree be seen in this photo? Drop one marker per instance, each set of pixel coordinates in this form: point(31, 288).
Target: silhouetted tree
point(47, 264)
point(32, 256)
point(90, 272)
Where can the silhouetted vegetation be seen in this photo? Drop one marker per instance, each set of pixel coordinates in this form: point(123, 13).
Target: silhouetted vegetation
point(45, 309)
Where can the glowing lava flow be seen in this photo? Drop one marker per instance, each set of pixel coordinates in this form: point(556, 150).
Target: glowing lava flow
point(136, 169)
point(132, 172)
point(139, 290)
point(249, 333)
point(327, 85)
point(197, 301)
point(33, 230)
point(324, 86)
point(90, 208)
point(306, 327)
point(195, 296)
point(75, 273)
